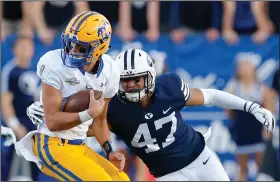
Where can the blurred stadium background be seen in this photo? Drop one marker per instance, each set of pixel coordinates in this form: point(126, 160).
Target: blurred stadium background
point(197, 40)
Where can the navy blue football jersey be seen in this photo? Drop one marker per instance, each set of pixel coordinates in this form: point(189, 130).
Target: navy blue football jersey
point(158, 134)
point(22, 83)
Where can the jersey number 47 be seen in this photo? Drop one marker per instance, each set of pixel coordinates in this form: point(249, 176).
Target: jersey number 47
point(151, 143)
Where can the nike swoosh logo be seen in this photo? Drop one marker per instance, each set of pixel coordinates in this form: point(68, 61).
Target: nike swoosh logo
point(206, 161)
point(165, 111)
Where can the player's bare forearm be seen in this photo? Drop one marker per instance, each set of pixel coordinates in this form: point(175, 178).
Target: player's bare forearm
point(55, 119)
point(26, 28)
point(262, 19)
point(228, 15)
point(90, 132)
point(9, 111)
point(125, 14)
point(99, 128)
point(7, 107)
point(153, 15)
point(196, 97)
point(38, 18)
point(140, 169)
point(81, 7)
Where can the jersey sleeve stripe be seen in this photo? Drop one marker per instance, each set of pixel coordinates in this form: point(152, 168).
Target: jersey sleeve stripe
point(182, 84)
point(185, 89)
point(187, 95)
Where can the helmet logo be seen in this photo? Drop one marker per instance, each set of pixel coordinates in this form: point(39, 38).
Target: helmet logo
point(129, 72)
point(102, 31)
point(149, 116)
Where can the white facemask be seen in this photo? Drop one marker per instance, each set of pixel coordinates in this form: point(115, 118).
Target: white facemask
point(135, 97)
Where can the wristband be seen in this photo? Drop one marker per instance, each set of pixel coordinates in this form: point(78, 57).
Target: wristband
point(248, 106)
point(84, 116)
point(107, 148)
point(13, 122)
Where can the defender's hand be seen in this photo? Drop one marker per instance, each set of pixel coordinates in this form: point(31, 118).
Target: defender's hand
point(36, 113)
point(263, 115)
point(95, 106)
point(9, 134)
point(117, 159)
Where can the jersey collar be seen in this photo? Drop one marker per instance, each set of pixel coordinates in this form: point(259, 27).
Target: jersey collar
point(100, 67)
point(96, 69)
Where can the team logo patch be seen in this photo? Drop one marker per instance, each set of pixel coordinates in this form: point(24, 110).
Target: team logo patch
point(72, 81)
point(103, 31)
point(149, 116)
point(88, 87)
point(103, 84)
point(129, 72)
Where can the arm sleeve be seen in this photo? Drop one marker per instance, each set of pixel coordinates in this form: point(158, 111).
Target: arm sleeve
point(48, 75)
point(224, 100)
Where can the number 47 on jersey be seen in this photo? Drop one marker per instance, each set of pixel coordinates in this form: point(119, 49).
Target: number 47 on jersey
point(151, 143)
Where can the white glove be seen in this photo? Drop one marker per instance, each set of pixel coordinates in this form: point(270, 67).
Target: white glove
point(36, 113)
point(9, 134)
point(263, 115)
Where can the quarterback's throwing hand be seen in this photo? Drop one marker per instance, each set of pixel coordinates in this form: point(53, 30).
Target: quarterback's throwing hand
point(263, 115)
point(117, 159)
point(36, 113)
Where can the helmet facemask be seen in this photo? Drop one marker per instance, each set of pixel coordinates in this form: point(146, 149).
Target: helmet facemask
point(85, 55)
point(137, 95)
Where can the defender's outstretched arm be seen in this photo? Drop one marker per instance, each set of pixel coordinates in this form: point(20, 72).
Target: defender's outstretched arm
point(229, 101)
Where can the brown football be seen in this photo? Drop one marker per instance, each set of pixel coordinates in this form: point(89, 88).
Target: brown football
point(80, 101)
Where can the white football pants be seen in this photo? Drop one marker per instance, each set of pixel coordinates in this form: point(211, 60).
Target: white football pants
point(207, 167)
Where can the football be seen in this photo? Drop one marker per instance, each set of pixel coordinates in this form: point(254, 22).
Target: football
point(80, 101)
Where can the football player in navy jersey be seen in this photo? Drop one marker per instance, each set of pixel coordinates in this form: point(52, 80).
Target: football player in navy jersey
point(145, 113)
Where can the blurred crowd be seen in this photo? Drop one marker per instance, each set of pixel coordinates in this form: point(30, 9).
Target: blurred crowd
point(228, 19)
